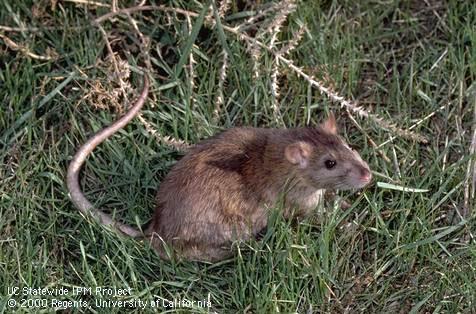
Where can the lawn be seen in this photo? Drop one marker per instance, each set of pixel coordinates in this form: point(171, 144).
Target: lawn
point(399, 76)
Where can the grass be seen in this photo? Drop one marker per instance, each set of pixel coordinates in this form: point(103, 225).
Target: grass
point(409, 63)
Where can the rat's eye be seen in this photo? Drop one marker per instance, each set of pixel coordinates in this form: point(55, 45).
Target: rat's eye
point(330, 164)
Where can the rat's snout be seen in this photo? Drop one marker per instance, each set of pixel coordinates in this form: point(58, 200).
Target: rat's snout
point(365, 175)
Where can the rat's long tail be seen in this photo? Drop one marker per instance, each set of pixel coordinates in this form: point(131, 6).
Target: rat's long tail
point(74, 189)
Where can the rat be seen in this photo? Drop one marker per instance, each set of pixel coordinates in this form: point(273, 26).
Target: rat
point(222, 190)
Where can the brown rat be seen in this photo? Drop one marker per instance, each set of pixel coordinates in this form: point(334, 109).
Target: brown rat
point(222, 189)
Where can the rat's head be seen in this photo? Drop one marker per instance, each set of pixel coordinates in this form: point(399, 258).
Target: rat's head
point(323, 160)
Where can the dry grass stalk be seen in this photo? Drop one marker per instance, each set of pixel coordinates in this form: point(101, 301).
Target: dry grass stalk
point(353, 106)
point(287, 7)
point(112, 56)
point(275, 92)
point(255, 54)
point(108, 96)
point(253, 42)
point(145, 42)
point(283, 8)
point(275, 72)
point(259, 15)
point(224, 7)
point(220, 99)
point(470, 182)
point(274, 28)
point(296, 38)
point(369, 139)
point(179, 145)
point(23, 29)
point(91, 3)
point(51, 54)
point(191, 72)
point(144, 8)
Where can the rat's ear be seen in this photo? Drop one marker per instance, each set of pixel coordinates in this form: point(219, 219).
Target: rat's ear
point(298, 154)
point(329, 125)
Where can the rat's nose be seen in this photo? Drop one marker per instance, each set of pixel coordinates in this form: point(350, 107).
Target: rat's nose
point(365, 175)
